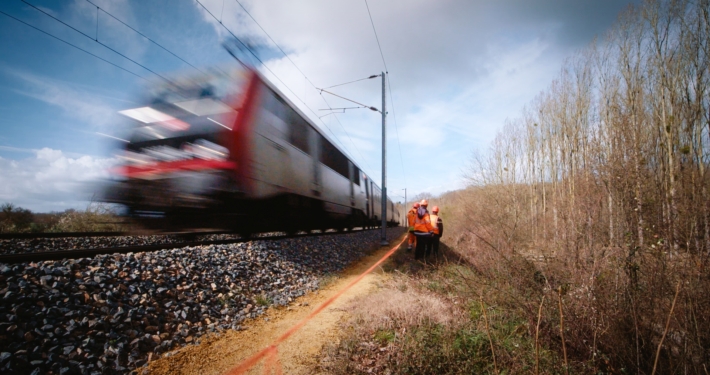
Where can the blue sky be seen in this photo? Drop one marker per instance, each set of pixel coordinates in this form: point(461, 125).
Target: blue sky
point(458, 69)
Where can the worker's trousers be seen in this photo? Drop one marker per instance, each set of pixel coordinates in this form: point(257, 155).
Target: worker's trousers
point(423, 244)
point(435, 244)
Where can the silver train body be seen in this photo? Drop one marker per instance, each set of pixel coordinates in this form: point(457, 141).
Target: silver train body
point(231, 152)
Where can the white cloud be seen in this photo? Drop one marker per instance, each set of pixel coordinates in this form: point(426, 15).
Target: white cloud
point(458, 68)
point(17, 149)
point(51, 180)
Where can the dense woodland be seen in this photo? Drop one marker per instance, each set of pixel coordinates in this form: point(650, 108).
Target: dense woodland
point(602, 183)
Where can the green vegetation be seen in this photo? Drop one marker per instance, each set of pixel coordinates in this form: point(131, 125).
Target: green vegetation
point(384, 336)
point(263, 300)
point(17, 219)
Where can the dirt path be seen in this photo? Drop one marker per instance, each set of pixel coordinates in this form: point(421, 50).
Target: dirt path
point(216, 355)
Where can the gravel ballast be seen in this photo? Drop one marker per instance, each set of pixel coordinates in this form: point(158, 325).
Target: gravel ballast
point(111, 313)
point(40, 244)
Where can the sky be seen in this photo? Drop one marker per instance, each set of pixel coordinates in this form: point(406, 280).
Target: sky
point(457, 69)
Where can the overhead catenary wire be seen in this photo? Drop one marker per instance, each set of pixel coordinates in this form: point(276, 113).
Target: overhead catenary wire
point(389, 88)
point(272, 73)
point(273, 41)
point(304, 76)
point(348, 134)
point(139, 33)
point(350, 100)
point(342, 108)
point(94, 39)
point(264, 65)
point(376, 37)
point(396, 129)
point(334, 111)
point(152, 41)
point(72, 45)
point(357, 80)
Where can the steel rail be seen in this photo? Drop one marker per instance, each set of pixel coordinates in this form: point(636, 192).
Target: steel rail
point(85, 253)
point(19, 236)
point(22, 236)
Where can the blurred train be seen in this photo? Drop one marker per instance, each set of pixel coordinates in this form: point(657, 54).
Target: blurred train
point(230, 151)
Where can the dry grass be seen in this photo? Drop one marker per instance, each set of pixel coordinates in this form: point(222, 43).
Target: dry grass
point(616, 300)
point(593, 203)
point(97, 217)
point(400, 305)
point(616, 308)
point(426, 320)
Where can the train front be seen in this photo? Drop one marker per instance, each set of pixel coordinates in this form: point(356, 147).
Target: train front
point(179, 169)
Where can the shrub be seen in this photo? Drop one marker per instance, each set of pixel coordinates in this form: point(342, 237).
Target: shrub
point(15, 219)
point(98, 217)
point(407, 327)
point(263, 300)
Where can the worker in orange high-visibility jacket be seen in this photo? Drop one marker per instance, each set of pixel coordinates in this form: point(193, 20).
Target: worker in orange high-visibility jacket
point(411, 215)
point(423, 230)
point(438, 229)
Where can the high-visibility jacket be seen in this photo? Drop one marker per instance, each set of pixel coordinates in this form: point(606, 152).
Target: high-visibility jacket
point(423, 224)
point(411, 215)
point(438, 224)
point(434, 219)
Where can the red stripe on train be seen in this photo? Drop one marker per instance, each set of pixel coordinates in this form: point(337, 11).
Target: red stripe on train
point(172, 166)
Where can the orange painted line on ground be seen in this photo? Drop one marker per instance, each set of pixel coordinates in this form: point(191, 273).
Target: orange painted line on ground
point(271, 350)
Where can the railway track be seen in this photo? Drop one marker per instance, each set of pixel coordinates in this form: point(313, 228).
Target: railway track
point(25, 236)
point(90, 252)
point(110, 304)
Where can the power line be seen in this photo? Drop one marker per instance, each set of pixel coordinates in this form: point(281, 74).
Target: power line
point(139, 33)
point(376, 37)
point(273, 41)
point(348, 134)
point(396, 127)
point(350, 100)
point(342, 108)
point(357, 80)
point(307, 79)
point(277, 77)
point(72, 45)
point(96, 40)
point(270, 71)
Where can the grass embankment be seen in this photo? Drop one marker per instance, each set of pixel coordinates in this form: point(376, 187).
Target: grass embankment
point(495, 302)
point(435, 318)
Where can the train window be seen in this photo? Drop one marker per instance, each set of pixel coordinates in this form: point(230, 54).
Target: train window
point(333, 158)
point(356, 175)
point(274, 104)
point(298, 127)
point(299, 132)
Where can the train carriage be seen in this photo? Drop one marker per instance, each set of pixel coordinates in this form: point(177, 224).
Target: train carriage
point(230, 151)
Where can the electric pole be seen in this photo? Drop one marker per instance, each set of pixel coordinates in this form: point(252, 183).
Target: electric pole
point(383, 198)
point(383, 240)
